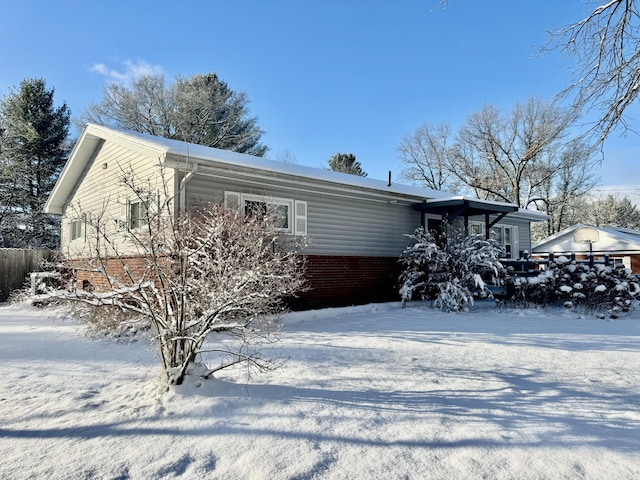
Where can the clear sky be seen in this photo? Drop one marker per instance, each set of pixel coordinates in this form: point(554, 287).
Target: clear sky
point(322, 76)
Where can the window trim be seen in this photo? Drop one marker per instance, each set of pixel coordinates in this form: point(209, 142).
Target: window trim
point(513, 233)
point(247, 197)
point(141, 219)
point(296, 209)
point(76, 230)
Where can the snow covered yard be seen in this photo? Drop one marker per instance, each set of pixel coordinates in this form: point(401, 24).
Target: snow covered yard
point(366, 392)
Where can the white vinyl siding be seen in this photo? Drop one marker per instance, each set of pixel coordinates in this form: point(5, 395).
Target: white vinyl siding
point(101, 196)
point(335, 223)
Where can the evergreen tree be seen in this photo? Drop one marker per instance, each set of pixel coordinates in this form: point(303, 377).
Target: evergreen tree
point(200, 109)
point(346, 163)
point(33, 150)
point(612, 212)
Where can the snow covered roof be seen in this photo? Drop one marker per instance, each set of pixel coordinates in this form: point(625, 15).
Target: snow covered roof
point(202, 155)
point(610, 240)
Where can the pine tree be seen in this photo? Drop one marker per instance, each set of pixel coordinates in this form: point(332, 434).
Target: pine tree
point(346, 163)
point(612, 212)
point(33, 149)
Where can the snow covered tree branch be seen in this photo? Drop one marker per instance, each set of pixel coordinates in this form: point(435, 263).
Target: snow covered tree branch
point(194, 273)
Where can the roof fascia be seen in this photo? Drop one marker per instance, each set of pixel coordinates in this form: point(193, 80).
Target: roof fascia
point(261, 177)
point(82, 152)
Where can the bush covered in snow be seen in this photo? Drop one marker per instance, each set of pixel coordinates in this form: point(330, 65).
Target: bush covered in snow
point(599, 288)
point(450, 269)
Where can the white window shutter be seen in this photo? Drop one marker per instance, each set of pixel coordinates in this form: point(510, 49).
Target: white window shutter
point(232, 201)
point(515, 243)
point(125, 213)
point(300, 218)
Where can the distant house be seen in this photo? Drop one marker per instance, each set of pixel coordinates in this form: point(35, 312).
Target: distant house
point(621, 245)
point(356, 226)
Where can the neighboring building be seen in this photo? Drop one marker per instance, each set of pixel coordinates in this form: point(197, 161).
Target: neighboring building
point(621, 245)
point(356, 226)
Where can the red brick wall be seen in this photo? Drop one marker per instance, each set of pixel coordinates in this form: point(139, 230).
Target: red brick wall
point(333, 281)
point(341, 281)
point(88, 272)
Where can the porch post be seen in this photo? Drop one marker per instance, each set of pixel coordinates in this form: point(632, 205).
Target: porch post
point(486, 226)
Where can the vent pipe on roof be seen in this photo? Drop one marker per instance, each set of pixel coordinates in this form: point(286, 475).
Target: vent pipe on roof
point(389, 184)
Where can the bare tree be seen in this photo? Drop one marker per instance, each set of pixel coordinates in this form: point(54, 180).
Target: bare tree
point(285, 155)
point(206, 271)
point(564, 181)
point(606, 48)
point(526, 157)
point(145, 106)
point(425, 154)
point(498, 155)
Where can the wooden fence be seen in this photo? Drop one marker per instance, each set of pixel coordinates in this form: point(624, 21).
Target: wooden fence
point(16, 265)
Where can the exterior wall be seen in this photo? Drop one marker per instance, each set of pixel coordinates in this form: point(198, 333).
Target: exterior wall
point(100, 196)
point(349, 280)
point(337, 223)
point(332, 281)
point(523, 231)
point(88, 276)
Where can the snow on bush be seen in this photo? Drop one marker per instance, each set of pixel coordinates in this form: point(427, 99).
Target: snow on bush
point(449, 269)
point(574, 284)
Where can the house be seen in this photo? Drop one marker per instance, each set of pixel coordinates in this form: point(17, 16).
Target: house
point(621, 245)
point(355, 226)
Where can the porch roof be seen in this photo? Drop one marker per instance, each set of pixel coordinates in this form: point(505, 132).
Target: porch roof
point(454, 207)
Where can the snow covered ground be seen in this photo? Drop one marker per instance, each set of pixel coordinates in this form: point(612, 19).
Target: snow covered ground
point(373, 392)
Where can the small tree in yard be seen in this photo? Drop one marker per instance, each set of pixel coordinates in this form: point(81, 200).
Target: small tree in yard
point(449, 270)
point(205, 271)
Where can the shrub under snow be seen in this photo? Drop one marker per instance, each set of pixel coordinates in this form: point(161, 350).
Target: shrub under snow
point(598, 287)
point(449, 270)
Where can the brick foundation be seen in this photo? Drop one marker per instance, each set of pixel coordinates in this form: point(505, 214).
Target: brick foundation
point(336, 281)
point(88, 274)
point(333, 281)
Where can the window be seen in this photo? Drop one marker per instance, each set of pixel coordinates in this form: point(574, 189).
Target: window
point(76, 229)
point(507, 236)
point(288, 215)
point(137, 214)
point(476, 229)
point(620, 262)
point(279, 212)
point(434, 226)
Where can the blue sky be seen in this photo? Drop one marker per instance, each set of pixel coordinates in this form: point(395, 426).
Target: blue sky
point(322, 76)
